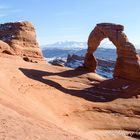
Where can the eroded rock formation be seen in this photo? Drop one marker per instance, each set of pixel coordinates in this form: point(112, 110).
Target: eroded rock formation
point(21, 38)
point(127, 63)
point(5, 48)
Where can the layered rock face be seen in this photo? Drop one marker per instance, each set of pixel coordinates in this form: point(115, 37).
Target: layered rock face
point(127, 63)
point(21, 38)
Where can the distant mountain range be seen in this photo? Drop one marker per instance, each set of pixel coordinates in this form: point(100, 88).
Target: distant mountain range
point(57, 53)
point(66, 45)
point(62, 49)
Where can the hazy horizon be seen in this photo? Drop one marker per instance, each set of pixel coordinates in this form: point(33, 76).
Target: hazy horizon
point(104, 44)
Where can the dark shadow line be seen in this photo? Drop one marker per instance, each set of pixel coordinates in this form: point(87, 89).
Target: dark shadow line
point(89, 94)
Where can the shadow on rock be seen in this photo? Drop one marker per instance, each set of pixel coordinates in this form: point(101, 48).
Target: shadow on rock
point(105, 91)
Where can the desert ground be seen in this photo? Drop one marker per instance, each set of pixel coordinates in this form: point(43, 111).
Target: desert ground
point(39, 101)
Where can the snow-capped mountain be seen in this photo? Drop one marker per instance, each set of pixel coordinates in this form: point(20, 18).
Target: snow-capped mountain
point(66, 45)
point(106, 50)
point(62, 49)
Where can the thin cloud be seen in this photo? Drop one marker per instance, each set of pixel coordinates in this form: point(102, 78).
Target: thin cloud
point(4, 8)
point(2, 15)
point(8, 9)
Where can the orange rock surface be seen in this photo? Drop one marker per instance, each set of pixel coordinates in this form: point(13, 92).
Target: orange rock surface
point(42, 102)
point(128, 61)
point(5, 48)
point(21, 37)
point(39, 101)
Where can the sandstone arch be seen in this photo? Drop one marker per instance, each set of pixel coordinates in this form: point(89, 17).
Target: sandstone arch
point(127, 62)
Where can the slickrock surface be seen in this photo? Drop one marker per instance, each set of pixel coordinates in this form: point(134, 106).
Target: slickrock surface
point(44, 102)
point(128, 61)
point(21, 37)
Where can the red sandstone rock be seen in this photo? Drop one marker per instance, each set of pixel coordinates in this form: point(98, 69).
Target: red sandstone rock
point(21, 37)
point(5, 48)
point(128, 61)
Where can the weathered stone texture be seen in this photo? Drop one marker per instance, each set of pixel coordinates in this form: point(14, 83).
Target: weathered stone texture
point(21, 37)
point(128, 61)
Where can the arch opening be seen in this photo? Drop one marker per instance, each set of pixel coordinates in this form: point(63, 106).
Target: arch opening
point(106, 58)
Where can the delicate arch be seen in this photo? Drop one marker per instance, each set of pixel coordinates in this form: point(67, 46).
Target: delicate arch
point(127, 63)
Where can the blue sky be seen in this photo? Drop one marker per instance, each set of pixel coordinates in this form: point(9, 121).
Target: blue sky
point(60, 20)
